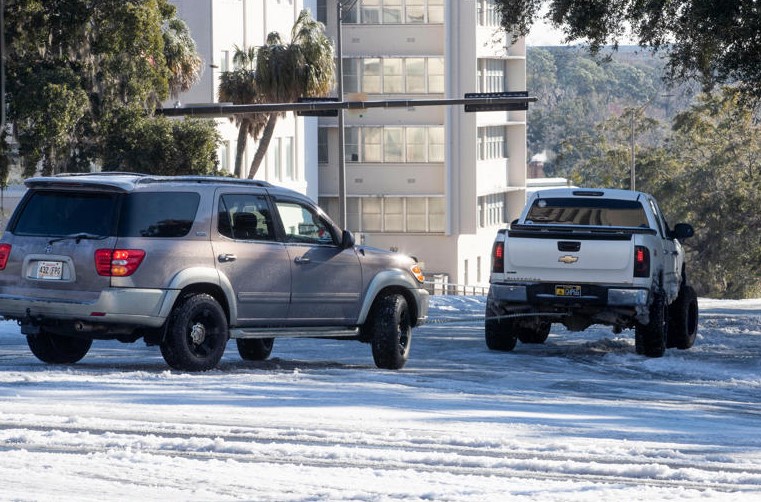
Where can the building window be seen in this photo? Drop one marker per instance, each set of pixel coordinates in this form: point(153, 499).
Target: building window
point(492, 75)
point(323, 151)
point(224, 156)
point(478, 269)
point(372, 144)
point(492, 142)
point(288, 160)
point(395, 144)
point(394, 75)
point(491, 210)
point(435, 75)
point(487, 14)
point(224, 61)
point(322, 11)
point(351, 144)
point(390, 214)
point(372, 76)
point(393, 12)
point(465, 273)
point(277, 165)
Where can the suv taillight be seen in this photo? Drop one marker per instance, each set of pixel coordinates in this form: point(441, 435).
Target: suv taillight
point(498, 257)
point(118, 262)
point(5, 252)
point(641, 261)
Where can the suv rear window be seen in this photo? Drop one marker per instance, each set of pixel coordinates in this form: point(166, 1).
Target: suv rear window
point(48, 213)
point(584, 211)
point(158, 214)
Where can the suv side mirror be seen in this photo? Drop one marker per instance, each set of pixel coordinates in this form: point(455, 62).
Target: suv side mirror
point(683, 231)
point(347, 239)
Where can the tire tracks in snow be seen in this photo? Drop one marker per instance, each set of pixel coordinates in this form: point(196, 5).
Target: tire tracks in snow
point(325, 448)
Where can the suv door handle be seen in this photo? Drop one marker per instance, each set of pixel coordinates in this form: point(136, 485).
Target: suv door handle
point(226, 257)
point(301, 260)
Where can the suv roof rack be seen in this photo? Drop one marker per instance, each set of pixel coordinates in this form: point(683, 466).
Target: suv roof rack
point(202, 179)
point(102, 173)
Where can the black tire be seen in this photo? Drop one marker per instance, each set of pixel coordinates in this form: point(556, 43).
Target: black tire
point(683, 319)
point(58, 349)
point(500, 334)
point(534, 335)
point(650, 339)
point(197, 334)
point(391, 331)
point(255, 349)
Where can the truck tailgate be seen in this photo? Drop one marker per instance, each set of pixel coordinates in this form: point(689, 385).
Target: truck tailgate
point(570, 258)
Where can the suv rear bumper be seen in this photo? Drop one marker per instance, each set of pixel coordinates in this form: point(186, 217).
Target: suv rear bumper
point(541, 293)
point(140, 307)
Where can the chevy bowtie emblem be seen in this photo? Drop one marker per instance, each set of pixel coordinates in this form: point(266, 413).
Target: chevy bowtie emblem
point(568, 259)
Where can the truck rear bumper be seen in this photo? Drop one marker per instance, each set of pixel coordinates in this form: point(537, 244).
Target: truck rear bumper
point(540, 293)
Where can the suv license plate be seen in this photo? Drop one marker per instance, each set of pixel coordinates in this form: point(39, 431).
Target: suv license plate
point(49, 270)
point(565, 290)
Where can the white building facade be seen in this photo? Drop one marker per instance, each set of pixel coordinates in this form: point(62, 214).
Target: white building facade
point(218, 26)
point(433, 182)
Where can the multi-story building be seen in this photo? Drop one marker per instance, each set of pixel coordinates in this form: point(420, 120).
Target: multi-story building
point(434, 182)
point(218, 27)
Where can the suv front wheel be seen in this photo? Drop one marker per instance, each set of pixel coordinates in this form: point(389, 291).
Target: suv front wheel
point(391, 330)
point(197, 334)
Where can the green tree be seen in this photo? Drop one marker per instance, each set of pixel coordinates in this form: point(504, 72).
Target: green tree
point(73, 64)
point(709, 41)
point(161, 146)
point(717, 147)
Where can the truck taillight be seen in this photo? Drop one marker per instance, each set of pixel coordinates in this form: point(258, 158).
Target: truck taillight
point(498, 257)
point(118, 262)
point(641, 261)
point(5, 252)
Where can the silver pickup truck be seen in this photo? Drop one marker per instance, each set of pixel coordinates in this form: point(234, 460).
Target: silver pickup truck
point(580, 257)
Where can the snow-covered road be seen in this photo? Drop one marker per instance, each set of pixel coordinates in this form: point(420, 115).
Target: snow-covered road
point(581, 417)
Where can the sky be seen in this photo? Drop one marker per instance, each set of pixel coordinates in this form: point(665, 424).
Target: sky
point(579, 418)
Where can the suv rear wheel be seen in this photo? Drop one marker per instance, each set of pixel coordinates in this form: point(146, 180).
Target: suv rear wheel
point(255, 349)
point(197, 334)
point(58, 349)
point(391, 331)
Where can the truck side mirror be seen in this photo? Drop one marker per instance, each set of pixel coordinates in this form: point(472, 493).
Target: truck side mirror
point(683, 231)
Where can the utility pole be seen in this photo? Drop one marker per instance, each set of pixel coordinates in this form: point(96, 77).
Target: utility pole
point(341, 132)
point(2, 63)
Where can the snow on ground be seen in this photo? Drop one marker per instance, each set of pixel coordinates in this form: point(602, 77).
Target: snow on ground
point(581, 417)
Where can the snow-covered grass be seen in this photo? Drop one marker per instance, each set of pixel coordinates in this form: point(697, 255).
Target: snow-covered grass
point(581, 417)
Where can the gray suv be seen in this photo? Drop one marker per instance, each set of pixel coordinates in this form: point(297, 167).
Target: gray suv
point(186, 263)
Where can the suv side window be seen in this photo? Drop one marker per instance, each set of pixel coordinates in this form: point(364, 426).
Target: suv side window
point(245, 217)
point(303, 224)
point(158, 214)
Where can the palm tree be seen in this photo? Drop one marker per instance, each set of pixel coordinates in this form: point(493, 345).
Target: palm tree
point(286, 72)
point(239, 87)
point(182, 59)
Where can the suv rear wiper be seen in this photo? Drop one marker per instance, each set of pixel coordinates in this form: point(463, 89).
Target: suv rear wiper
point(78, 237)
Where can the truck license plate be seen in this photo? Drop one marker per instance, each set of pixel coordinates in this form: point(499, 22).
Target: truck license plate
point(565, 290)
point(49, 270)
